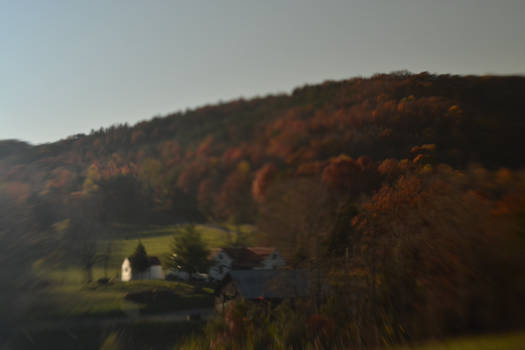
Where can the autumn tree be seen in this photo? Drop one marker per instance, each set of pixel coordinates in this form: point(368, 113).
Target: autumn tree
point(350, 176)
point(262, 180)
point(234, 203)
point(425, 244)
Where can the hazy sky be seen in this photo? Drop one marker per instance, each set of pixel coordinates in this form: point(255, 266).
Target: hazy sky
point(71, 66)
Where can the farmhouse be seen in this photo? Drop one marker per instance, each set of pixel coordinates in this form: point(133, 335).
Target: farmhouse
point(258, 285)
point(152, 272)
point(224, 260)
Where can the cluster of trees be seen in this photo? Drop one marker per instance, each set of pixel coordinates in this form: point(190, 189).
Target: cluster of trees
point(435, 252)
point(215, 162)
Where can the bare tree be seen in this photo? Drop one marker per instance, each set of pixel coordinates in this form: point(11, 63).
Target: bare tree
point(106, 256)
point(85, 233)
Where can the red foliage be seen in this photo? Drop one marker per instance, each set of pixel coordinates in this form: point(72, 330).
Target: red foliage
point(232, 155)
point(204, 148)
point(232, 202)
point(310, 169)
point(191, 175)
point(354, 176)
point(341, 173)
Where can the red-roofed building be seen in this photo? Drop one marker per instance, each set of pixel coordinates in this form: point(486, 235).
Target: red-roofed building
point(225, 260)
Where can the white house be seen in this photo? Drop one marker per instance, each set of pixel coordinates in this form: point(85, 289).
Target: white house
point(224, 260)
point(153, 272)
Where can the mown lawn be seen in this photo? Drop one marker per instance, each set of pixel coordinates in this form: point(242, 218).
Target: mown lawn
point(156, 239)
point(508, 341)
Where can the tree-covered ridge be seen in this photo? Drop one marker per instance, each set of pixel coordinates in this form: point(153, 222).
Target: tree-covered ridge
point(216, 161)
point(405, 194)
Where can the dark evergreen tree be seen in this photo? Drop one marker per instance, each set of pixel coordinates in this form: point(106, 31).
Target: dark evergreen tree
point(139, 259)
point(189, 252)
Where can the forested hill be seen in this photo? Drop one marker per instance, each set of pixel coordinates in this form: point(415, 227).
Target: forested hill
point(217, 161)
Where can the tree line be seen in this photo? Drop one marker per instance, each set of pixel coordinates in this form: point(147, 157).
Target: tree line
point(212, 163)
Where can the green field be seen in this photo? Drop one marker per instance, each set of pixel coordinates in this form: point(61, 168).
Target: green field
point(67, 294)
point(156, 239)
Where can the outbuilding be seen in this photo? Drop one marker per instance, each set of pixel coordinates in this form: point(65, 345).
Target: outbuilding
point(261, 285)
point(224, 260)
point(152, 272)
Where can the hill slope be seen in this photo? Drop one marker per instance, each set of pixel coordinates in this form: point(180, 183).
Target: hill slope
point(215, 160)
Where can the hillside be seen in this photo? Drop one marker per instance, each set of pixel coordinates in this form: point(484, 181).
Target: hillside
point(404, 193)
point(215, 162)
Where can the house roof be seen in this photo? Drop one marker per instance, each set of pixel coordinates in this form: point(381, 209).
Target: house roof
point(270, 284)
point(245, 257)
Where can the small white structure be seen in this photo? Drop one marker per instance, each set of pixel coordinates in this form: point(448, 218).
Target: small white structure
point(153, 272)
point(224, 260)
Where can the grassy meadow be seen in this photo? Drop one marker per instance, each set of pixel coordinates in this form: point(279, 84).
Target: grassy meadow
point(68, 295)
point(156, 239)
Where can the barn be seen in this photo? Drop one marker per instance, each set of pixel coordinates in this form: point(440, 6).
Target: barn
point(224, 260)
point(257, 285)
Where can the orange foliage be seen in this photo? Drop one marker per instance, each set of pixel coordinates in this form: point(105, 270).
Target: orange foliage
point(18, 191)
point(262, 180)
point(342, 173)
point(205, 147)
point(191, 175)
point(232, 155)
point(310, 169)
point(61, 178)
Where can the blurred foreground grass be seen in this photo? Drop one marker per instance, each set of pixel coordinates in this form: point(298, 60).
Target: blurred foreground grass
point(507, 341)
point(133, 336)
point(503, 341)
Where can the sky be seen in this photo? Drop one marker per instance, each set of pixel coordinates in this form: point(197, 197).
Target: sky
point(68, 67)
